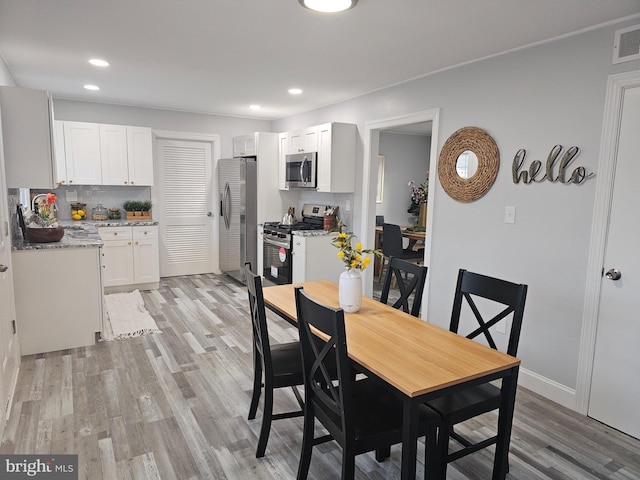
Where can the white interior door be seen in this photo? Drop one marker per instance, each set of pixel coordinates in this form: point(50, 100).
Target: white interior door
point(185, 198)
point(615, 391)
point(9, 350)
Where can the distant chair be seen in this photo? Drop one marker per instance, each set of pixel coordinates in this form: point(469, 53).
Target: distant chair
point(280, 364)
point(410, 279)
point(471, 402)
point(392, 247)
point(361, 415)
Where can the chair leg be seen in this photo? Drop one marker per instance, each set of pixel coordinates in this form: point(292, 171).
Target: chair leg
point(257, 386)
point(266, 421)
point(382, 454)
point(348, 464)
point(307, 444)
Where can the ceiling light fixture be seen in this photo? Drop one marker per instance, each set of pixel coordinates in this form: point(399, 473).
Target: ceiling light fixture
point(97, 62)
point(254, 107)
point(328, 6)
point(295, 91)
point(92, 87)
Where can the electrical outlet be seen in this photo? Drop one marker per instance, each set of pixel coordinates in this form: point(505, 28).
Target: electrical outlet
point(509, 214)
point(347, 205)
point(72, 196)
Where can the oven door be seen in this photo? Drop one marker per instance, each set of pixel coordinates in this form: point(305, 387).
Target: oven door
point(277, 260)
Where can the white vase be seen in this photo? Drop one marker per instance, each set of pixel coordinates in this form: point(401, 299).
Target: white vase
point(350, 290)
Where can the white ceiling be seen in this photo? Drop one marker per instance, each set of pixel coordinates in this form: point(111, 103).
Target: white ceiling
point(219, 56)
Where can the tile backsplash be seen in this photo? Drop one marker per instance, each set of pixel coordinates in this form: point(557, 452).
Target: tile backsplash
point(92, 195)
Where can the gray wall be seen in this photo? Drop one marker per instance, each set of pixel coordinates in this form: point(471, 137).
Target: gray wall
point(406, 158)
point(534, 99)
point(5, 75)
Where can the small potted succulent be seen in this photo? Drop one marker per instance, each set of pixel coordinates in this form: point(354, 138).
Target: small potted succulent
point(137, 209)
point(41, 223)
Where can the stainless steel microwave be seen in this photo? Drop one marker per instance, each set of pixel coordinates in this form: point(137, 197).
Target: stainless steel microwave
point(301, 170)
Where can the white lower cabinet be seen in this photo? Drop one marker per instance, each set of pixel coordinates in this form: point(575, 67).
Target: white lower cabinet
point(130, 256)
point(58, 296)
point(314, 258)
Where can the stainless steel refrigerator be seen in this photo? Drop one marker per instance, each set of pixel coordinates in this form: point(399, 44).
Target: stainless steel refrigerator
point(238, 225)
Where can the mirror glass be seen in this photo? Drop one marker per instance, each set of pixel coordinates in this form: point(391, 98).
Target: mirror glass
point(467, 164)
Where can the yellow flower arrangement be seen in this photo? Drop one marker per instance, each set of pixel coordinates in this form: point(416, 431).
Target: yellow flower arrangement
point(352, 257)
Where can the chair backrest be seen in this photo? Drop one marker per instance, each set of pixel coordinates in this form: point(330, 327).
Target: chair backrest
point(392, 246)
point(379, 220)
point(261, 344)
point(410, 278)
point(331, 401)
point(511, 295)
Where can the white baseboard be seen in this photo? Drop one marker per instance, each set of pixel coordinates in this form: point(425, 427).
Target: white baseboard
point(550, 389)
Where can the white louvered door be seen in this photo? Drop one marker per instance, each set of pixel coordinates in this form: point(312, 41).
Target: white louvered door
point(185, 198)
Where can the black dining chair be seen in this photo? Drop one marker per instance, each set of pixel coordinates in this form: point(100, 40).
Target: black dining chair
point(392, 247)
point(409, 278)
point(474, 290)
point(274, 366)
point(361, 415)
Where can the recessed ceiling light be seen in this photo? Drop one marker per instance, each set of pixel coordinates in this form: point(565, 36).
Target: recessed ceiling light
point(295, 91)
point(92, 87)
point(254, 107)
point(328, 6)
point(97, 62)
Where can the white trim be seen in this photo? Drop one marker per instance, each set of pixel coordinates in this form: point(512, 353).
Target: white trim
point(616, 85)
point(546, 387)
point(371, 143)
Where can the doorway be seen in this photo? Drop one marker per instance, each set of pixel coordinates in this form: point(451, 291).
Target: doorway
point(184, 191)
point(419, 121)
point(609, 358)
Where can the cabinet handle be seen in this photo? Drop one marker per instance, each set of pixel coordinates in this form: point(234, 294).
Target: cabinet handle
point(145, 232)
point(131, 183)
point(136, 243)
point(104, 266)
point(129, 243)
point(115, 234)
point(70, 181)
point(125, 182)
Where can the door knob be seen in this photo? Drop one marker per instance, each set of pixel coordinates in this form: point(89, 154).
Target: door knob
point(3, 268)
point(209, 214)
point(613, 274)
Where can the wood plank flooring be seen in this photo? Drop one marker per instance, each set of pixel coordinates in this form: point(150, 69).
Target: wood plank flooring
point(174, 406)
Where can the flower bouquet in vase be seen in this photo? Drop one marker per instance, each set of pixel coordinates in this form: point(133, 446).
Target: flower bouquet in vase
point(41, 223)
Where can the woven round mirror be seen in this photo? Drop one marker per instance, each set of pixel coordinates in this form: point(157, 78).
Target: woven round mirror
point(468, 164)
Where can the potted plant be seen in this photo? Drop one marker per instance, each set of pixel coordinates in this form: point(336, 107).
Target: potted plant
point(137, 209)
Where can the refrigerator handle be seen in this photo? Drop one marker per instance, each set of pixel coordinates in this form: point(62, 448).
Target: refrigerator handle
point(227, 205)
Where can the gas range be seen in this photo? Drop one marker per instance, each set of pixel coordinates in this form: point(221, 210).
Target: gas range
point(312, 219)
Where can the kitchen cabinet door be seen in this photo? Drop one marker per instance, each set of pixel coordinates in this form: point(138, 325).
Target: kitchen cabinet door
point(336, 158)
point(28, 138)
point(283, 149)
point(302, 141)
point(113, 154)
point(245, 145)
point(315, 258)
point(117, 263)
point(140, 156)
point(146, 264)
point(82, 149)
point(61, 158)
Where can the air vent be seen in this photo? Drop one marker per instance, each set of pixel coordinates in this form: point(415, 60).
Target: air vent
point(627, 44)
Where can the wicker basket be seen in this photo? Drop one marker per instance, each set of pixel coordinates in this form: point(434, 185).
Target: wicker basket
point(45, 235)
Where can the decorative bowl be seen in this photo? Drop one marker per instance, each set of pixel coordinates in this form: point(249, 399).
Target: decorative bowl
point(44, 235)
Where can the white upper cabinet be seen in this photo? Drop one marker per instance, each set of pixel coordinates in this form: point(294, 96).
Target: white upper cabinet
point(28, 137)
point(302, 141)
point(61, 165)
point(113, 154)
point(140, 155)
point(336, 157)
point(82, 153)
point(283, 138)
point(100, 154)
point(245, 145)
point(335, 144)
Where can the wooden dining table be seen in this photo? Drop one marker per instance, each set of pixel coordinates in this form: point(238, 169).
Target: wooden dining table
point(419, 360)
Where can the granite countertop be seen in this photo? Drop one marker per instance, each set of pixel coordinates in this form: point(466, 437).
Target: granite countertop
point(77, 234)
point(313, 233)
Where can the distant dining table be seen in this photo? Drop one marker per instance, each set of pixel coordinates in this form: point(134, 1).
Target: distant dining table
point(417, 359)
point(416, 241)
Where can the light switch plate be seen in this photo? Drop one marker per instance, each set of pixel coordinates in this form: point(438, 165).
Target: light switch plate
point(510, 215)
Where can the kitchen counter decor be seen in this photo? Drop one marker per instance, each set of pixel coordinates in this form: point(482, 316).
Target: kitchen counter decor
point(137, 210)
point(41, 223)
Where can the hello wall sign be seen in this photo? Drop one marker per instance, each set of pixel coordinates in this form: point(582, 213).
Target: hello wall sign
point(535, 173)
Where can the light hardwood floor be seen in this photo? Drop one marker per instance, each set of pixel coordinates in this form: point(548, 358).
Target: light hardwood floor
point(174, 406)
